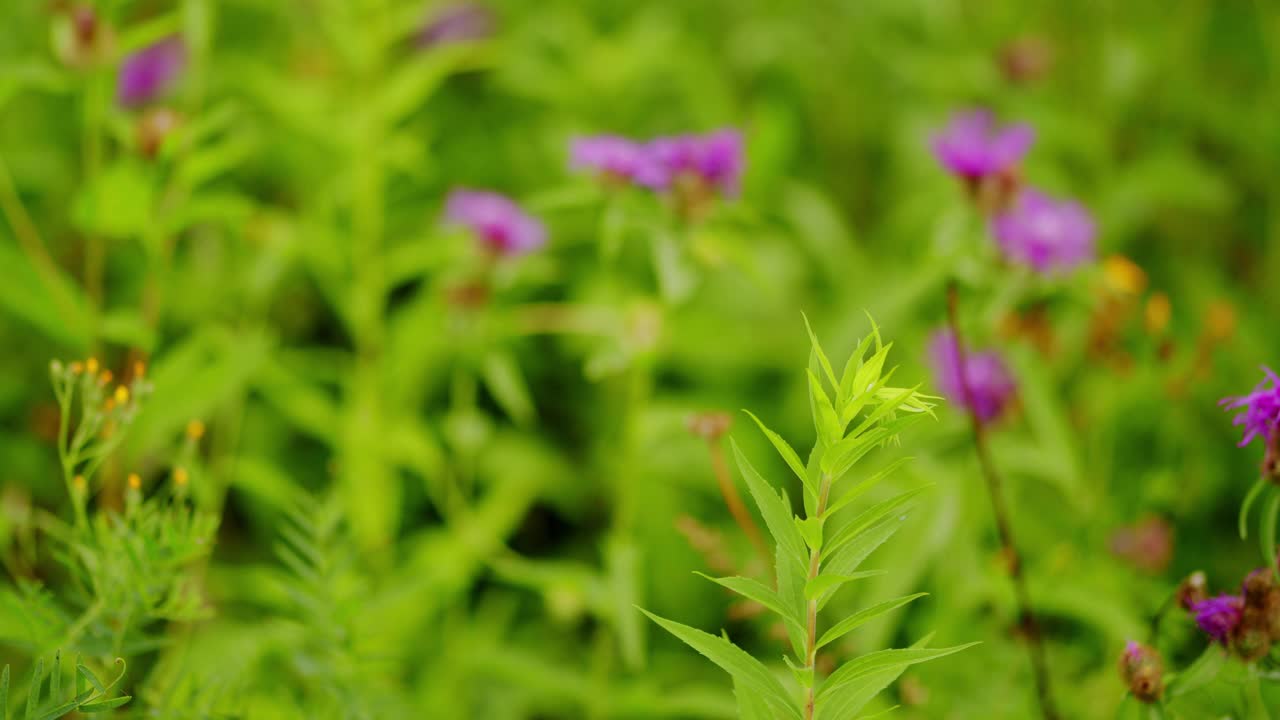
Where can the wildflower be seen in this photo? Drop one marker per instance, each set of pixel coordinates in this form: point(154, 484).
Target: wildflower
point(1123, 276)
point(91, 366)
point(153, 129)
point(1147, 544)
point(695, 165)
point(135, 481)
point(195, 430)
point(459, 23)
point(1045, 233)
point(122, 395)
point(1026, 59)
point(618, 160)
point(81, 38)
point(972, 147)
point(1219, 616)
point(984, 385)
point(1261, 414)
point(151, 72)
point(709, 426)
point(496, 221)
point(1142, 671)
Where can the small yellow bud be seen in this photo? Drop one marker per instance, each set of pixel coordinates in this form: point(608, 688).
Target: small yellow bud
point(195, 429)
point(78, 482)
point(1158, 313)
point(1123, 275)
point(180, 476)
point(139, 369)
point(105, 378)
point(135, 482)
point(1221, 320)
point(77, 367)
point(91, 365)
point(122, 394)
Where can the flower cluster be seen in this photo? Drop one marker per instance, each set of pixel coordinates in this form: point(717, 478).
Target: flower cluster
point(1030, 227)
point(1260, 417)
point(1248, 623)
point(148, 74)
point(461, 23)
point(500, 225)
point(694, 169)
point(978, 381)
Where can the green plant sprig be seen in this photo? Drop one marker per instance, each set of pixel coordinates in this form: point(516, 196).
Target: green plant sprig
point(816, 555)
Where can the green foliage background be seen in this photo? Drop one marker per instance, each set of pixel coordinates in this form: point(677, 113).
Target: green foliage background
point(493, 491)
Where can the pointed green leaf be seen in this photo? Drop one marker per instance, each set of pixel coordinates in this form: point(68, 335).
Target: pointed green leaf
point(791, 572)
point(87, 674)
point(850, 557)
point(757, 591)
point(33, 695)
point(884, 409)
point(4, 693)
point(862, 617)
point(1267, 532)
point(505, 381)
point(830, 429)
point(774, 508)
point(851, 368)
point(736, 662)
point(789, 455)
point(869, 517)
point(822, 356)
point(55, 677)
point(825, 582)
point(105, 705)
point(858, 490)
point(751, 704)
point(852, 686)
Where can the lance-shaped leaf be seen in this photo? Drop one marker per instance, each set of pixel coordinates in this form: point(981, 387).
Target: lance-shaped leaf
point(830, 429)
point(774, 508)
point(862, 487)
point(818, 352)
point(828, 582)
point(789, 455)
point(862, 617)
point(733, 660)
point(869, 517)
point(852, 686)
point(851, 368)
point(851, 555)
point(757, 591)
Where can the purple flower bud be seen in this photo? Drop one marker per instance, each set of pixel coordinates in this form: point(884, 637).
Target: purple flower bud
point(990, 385)
point(714, 160)
point(1219, 616)
point(459, 23)
point(151, 72)
point(1261, 414)
point(972, 147)
point(1045, 233)
point(615, 158)
point(496, 221)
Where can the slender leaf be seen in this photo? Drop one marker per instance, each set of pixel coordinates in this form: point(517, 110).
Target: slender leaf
point(822, 356)
point(869, 517)
point(863, 617)
point(826, 582)
point(1254, 492)
point(736, 662)
point(789, 455)
point(1267, 533)
point(757, 591)
point(774, 508)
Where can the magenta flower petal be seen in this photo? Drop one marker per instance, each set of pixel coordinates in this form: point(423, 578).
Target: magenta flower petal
point(496, 221)
point(1046, 234)
point(990, 384)
point(1261, 415)
point(149, 73)
point(972, 146)
point(464, 22)
point(610, 155)
point(1219, 616)
point(716, 159)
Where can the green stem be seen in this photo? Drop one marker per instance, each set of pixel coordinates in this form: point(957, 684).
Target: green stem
point(811, 621)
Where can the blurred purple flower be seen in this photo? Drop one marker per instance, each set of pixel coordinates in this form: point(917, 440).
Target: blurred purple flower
point(496, 221)
point(613, 156)
point(1045, 233)
point(1262, 409)
point(1134, 651)
point(1219, 616)
point(151, 72)
point(459, 23)
point(715, 160)
point(972, 147)
point(990, 385)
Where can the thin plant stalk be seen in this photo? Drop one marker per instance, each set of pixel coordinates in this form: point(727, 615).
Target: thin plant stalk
point(1027, 622)
point(811, 617)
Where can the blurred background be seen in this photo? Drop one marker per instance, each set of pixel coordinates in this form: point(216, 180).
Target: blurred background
point(499, 454)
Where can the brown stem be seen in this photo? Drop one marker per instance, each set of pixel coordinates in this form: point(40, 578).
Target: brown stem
point(731, 498)
point(995, 489)
point(811, 639)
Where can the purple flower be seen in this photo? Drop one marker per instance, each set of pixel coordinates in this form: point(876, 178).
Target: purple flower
point(1219, 616)
point(972, 147)
point(615, 157)
point(1134, 651)
point(990, 385)
point(151, 72)
point(1045, 233)
point(496, 221)
point(1262, 409)
point(714, 160)
point(459, 23)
